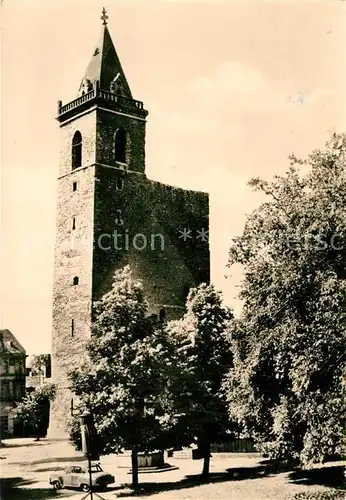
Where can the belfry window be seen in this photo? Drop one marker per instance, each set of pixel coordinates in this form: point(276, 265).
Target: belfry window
point(120, 145)
point(77, 150)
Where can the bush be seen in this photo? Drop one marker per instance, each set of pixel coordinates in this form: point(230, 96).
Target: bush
point(320, 495)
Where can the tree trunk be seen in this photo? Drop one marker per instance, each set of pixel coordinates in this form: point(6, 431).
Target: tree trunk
point(134, 463)
point(206, 457)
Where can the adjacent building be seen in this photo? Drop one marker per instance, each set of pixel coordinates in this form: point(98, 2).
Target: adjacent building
point(12, 381)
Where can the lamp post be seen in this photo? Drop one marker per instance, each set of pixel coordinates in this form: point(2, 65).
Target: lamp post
point(88, 433)
point(86, 420)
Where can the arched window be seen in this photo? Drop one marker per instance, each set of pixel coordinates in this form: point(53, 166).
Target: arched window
point(120, 145)
point(76, 280)
point(77, 150)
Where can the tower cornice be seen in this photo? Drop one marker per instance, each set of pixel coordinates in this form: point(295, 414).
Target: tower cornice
point(100, 98)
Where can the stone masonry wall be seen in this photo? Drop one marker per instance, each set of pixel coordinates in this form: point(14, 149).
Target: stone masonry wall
point(139, 210)
point(150, 238)
point(73, 257)
point(107, 124)
point(167, 264)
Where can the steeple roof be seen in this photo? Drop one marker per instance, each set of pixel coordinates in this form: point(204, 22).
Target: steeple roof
point(105, 67)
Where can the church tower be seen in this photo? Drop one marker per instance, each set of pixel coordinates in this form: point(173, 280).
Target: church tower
point(109, 214)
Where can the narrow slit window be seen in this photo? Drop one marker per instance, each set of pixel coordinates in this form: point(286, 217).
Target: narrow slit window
point(74, 188)
point(118, 218)
point(76, 280)
point(74, 223)
point(119, 185)
point(72, 328)
point(49, 367)
point(162, 315)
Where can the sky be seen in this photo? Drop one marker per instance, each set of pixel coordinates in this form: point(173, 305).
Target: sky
point(232, 88)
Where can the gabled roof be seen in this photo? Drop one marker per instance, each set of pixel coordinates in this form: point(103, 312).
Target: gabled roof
point(105, 66)
point(9, 344)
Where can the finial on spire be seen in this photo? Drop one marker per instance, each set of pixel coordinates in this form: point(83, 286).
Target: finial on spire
point(104, 16)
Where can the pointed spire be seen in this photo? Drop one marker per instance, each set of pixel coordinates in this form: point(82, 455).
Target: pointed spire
point(105, 67)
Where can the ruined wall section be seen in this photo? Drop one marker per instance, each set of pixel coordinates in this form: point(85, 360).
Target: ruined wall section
point(150, 238)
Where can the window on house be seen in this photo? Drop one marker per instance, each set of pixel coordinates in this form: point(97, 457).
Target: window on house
point(74, 223)
point(74, 186)
point(77, 150)
point(4, 390)
point(11, 390)
point(18, 392)
point(120, 143)
point(76, 280)
point(3, 426)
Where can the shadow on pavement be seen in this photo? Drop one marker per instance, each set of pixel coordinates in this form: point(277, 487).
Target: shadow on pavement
point(48, 469)
point(6, 445)
point(16, 488)
point(325, 476)
point(51, 460)
point(236, 474)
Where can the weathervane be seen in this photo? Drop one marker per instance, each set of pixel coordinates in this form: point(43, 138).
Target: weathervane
point(104, 16)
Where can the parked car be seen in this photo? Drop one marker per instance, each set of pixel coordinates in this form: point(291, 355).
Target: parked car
point(78, 477)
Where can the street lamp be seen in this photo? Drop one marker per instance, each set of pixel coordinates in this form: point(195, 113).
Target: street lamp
point(88, 433)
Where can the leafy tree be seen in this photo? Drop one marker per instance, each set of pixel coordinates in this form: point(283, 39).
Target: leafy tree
point(39, 363)
point(204, 414)
point(131, 380)
point(288, 383)
point(33, 410)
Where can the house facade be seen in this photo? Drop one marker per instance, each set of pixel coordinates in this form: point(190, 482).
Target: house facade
point(12, 381)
